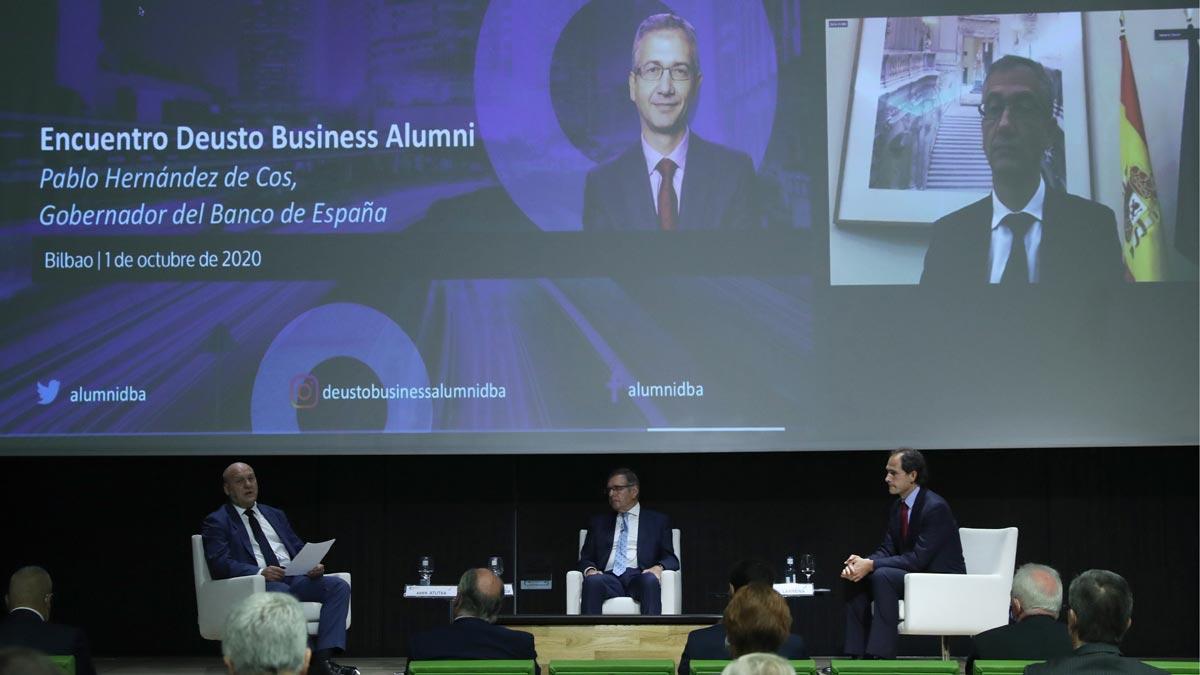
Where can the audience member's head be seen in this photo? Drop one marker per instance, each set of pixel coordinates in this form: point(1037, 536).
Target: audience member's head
point(1036, 589)
point(25, 661)
point(30, 587)
point(750, 572)
point(759, 663)
point(266, 634)
point(756, 620)
point(1101, 607)
point(480, 593)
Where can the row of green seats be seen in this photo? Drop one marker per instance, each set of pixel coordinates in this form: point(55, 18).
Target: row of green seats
point(1017, 667)
point(583, 667)
point(714, 667)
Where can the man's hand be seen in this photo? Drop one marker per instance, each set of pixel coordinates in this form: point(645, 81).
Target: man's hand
point(856, 567)
point(590, 571)
point(273, 573)
point(657, 571)
point(316, 572)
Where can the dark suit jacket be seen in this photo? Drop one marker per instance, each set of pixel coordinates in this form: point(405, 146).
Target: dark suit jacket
point(1035, 638)
point(932, 544)
point(23, 628)
point(1094, 657)
point(227, 543)
point(718, 191)
point(1079, 244)
point(709, 643)
point(471, 638)
point(654, 541)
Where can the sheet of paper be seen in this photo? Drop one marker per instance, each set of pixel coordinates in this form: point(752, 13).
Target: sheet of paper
point(309, 557)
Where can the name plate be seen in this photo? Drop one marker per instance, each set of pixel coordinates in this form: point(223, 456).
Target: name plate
point(795, 590)
point(417, 591)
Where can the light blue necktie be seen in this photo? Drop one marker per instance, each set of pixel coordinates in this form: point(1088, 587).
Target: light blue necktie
point(620, 562)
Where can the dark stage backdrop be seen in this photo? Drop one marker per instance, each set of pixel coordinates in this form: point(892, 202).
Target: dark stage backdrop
point(114, 531)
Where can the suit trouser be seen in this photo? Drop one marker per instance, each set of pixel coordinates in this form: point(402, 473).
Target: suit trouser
point(642, 587)
point(334, 595)
point(873, 630)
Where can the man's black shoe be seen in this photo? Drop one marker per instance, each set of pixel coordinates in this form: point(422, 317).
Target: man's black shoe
point(329, 667)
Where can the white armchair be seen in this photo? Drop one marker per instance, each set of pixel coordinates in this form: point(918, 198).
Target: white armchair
point(963, 604)
point(216, 598)
point(672, 588)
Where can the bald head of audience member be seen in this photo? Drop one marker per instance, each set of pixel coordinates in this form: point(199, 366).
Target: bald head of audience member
point(30, 587)
point(25, 661)
point(759, 663)
point(756, 620)
point(1036, 590)
point(480, 593)
point(266, 634)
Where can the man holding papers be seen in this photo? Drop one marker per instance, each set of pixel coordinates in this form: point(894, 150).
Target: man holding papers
point(244, 537)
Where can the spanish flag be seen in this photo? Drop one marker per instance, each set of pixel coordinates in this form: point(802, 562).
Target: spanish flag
point(1142, 235)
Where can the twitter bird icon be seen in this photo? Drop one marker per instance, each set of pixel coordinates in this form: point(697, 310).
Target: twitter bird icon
point(47, 392)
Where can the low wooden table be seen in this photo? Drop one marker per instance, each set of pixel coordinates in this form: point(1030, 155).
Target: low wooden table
point(608, 636)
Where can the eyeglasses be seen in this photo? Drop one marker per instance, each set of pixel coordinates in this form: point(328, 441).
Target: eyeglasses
point(653, 72)
point(616, 488)
point(1023, 108)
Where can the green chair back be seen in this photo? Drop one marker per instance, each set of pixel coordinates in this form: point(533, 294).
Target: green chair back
point(715, 666)
point(65, 663)
point(613, 667)
point(1000, 667)
point(1176, 667)
point(472, 667)
point(894, 667)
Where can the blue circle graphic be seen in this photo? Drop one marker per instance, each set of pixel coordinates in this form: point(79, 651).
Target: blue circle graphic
point(284, 383)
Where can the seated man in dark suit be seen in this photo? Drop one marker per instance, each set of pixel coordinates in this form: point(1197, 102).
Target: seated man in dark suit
point(624, 554)
point(921, 536)
point(472, 634)
point(1100, 613)
point(1035, 635)
point(709, 643)
point(30, 595)
point(671, 179)
point(244, 538)
point(1025, 231)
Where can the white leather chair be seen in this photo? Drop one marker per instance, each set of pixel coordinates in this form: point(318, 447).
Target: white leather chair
point(963, 604)
point(215, 599)
point(672, 588)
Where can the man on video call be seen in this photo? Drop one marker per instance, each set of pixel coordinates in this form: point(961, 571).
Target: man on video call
point(1024, 232)
point(671, 179)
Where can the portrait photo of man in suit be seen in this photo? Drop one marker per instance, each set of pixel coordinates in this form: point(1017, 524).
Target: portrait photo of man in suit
point(626, 551)
point(671, 179)
point(1024, 232)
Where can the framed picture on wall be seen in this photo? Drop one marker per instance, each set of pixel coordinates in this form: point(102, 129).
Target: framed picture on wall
point(913, 147)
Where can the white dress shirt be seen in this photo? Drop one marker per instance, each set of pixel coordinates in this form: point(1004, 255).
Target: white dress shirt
point(630, 543)
point(1002, 237)
point(679, 156)
point(272, 538)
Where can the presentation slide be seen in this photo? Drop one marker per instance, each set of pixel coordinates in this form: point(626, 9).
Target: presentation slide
point(578, 226)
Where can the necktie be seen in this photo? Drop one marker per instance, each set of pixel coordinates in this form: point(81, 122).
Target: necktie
point(667, 209)
point(903, 521)
point(620, 562)
point(261, 538)
point(1016, 271)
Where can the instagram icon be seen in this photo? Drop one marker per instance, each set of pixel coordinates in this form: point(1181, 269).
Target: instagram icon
point(303, 391)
